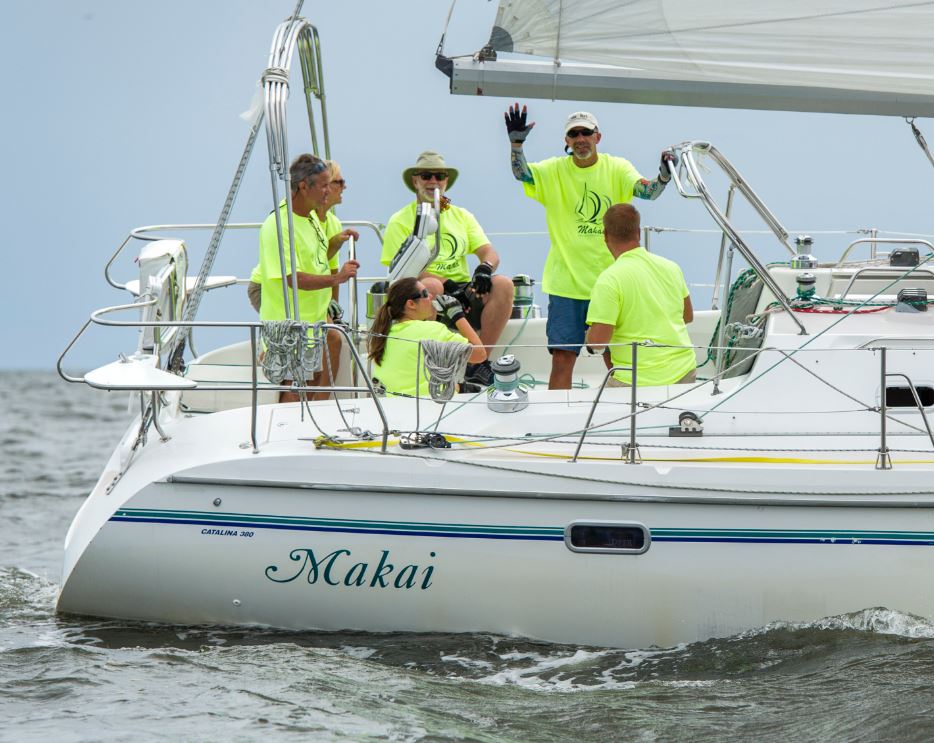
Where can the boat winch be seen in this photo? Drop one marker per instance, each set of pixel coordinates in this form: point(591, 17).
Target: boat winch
point(506, 395)
point(806, 285)
point(803, 257)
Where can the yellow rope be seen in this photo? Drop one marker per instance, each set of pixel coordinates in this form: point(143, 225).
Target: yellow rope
point(324, 442)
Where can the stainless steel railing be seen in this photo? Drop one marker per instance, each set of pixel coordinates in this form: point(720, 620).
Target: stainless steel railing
point(691, 170)
point(97, 317)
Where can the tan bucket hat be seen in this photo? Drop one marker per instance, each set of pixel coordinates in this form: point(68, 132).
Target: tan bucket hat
point(428, 160)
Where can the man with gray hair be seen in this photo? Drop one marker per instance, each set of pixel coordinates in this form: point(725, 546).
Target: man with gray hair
point(576, 191)
point(310, 188)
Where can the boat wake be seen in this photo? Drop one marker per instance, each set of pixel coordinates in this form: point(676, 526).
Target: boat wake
point(482, 687)
point(515, 662)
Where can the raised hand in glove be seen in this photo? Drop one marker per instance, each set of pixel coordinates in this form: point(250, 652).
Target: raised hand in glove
point(335, 311)
point(516, 125)
point(449, 307)
point(664, 174)
point(483, 278)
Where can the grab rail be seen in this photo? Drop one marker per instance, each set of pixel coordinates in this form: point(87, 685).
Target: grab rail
point(917, 399)
point(691, 168)
point(869, 269)
point(139, 233)
point(884, 240)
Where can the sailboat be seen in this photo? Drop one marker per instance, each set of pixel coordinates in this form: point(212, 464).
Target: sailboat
point(792, 481)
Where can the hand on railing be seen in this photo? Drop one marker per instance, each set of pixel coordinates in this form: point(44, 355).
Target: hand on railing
point(347, 271)
point(668, 163)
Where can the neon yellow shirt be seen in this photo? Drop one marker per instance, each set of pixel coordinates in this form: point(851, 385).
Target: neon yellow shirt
point(575, 200)
point(311, 257)
point(397, 372)
point(332, 226)
point(461, 235)
point(642, 296)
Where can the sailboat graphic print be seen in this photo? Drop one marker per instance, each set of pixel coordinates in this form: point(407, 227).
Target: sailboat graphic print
point(590, 211)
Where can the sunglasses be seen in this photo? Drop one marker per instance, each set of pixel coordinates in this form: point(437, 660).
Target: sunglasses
point(340, 182)
point(575, 133)
point(442, 176)
point(423, 294)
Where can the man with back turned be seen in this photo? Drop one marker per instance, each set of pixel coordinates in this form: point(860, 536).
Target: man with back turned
point(640, 297)
point(576, 191)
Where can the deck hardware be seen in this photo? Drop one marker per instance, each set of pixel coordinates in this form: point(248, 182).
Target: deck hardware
point(423, 440)
point(217, 502)
point(905, 257)
point(803, 257)
point(358, 433)
point(506, 396)
point(806, 284)
point(912, 300)
point(689, 424)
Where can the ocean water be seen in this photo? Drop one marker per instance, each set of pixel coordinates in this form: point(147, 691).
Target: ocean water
point(866, 676)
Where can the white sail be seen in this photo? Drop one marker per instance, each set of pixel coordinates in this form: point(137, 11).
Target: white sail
point(856, 56)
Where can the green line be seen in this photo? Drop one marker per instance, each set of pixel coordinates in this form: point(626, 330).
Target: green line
point(358, 523)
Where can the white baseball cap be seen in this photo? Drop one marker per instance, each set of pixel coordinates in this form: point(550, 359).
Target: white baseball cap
point(581, 119)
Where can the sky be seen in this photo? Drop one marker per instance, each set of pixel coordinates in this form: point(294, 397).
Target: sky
point(123, 113)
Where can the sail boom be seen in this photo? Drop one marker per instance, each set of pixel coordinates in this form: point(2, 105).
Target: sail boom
point(523, 79)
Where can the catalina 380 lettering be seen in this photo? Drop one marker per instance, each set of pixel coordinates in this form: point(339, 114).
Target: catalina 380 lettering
point(337, 569)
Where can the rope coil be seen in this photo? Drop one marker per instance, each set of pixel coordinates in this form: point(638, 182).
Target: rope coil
point(290, 352)
point(444, 363)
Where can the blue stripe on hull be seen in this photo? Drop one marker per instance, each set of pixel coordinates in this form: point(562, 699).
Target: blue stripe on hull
point(519, 533)
point(343, 530)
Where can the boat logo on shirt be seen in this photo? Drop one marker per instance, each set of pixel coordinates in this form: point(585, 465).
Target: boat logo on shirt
point(450, 247)
point(589, 212)
point(338, 568)
point(449, 256)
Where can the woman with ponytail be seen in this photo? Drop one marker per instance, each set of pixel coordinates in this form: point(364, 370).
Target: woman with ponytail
point(408, 316)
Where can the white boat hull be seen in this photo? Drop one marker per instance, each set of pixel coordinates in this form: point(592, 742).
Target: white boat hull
point(300, 557)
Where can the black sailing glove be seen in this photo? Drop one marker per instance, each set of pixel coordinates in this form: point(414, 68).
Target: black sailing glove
point(664, 174)
point(516, 125)
point(483, 278)
point(450, 307)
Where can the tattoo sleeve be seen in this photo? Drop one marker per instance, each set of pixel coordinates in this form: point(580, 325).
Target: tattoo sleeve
point(649, 190)
point(520, 168)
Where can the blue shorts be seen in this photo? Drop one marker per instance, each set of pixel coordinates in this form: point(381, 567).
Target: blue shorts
point(566, 326)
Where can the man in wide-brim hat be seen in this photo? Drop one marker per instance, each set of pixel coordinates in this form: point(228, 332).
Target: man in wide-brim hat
point(487, 296)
